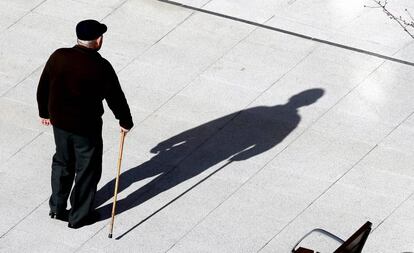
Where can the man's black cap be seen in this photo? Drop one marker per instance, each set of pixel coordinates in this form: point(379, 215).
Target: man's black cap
point(90, 29)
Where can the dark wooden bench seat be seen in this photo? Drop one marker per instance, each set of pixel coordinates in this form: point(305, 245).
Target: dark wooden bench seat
point(354, 244)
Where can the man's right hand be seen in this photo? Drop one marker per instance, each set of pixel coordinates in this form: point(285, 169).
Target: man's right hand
point(45, 122)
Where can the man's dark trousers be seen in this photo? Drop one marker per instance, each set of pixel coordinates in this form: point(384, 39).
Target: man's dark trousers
point(78, 157)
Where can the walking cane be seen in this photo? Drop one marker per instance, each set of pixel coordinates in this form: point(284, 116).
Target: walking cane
point(121, 147)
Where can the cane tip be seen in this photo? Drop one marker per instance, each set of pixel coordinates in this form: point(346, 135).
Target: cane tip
point(110, 236)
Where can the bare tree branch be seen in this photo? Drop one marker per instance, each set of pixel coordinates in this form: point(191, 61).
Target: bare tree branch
point(405, 24)
point(411, 16)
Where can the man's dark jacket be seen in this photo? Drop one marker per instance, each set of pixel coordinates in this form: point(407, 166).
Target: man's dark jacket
point(72, 87)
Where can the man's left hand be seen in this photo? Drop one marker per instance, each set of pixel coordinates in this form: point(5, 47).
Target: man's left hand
point(45, 122)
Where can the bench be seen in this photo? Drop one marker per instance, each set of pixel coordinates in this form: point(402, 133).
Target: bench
point(354, 244)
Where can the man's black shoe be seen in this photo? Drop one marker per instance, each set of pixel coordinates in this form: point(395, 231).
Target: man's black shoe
point(92, 218)
point(75, 226)
point(63, 216)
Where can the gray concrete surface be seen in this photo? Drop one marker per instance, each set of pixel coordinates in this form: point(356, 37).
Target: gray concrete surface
point(204, 89)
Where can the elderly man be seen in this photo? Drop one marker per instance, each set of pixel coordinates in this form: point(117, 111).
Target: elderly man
point(71, 89)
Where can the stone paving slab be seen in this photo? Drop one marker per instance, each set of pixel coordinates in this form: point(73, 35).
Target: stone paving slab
point(395, 229)
point(336, 20)
point(220, 160)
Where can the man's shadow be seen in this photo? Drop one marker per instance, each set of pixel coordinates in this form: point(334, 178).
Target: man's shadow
point(235, 137)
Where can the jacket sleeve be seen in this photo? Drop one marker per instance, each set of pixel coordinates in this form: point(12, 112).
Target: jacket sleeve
point(43, 91)
point(115, 98)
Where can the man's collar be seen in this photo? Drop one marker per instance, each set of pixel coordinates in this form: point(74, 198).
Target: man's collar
point(86, 49)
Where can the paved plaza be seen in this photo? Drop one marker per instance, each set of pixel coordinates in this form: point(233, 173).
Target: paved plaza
point(255, 122)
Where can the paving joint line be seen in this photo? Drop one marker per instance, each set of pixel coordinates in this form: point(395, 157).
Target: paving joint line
point(22, 219)
point(403, 47)
point(157, 109)
point(196, 76)
point(412, 194)
point(195, 149)
point(317, 198)
point(190, 82)
point(84, 243)
point(121, 70)
point(396, 127)
point(238, 188)
point(393, 211)
point(155, 43)
point(354, 165)
point(24, 146)
point(290, 2)
point(145, 51)
point(303, 36)
point(114, 10)
point(21, 81)
point(92, 236)
point(30, 11)
point(212, 137)
point(36, 69)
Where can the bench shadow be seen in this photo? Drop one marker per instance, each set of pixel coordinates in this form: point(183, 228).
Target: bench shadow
point(234, 137)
